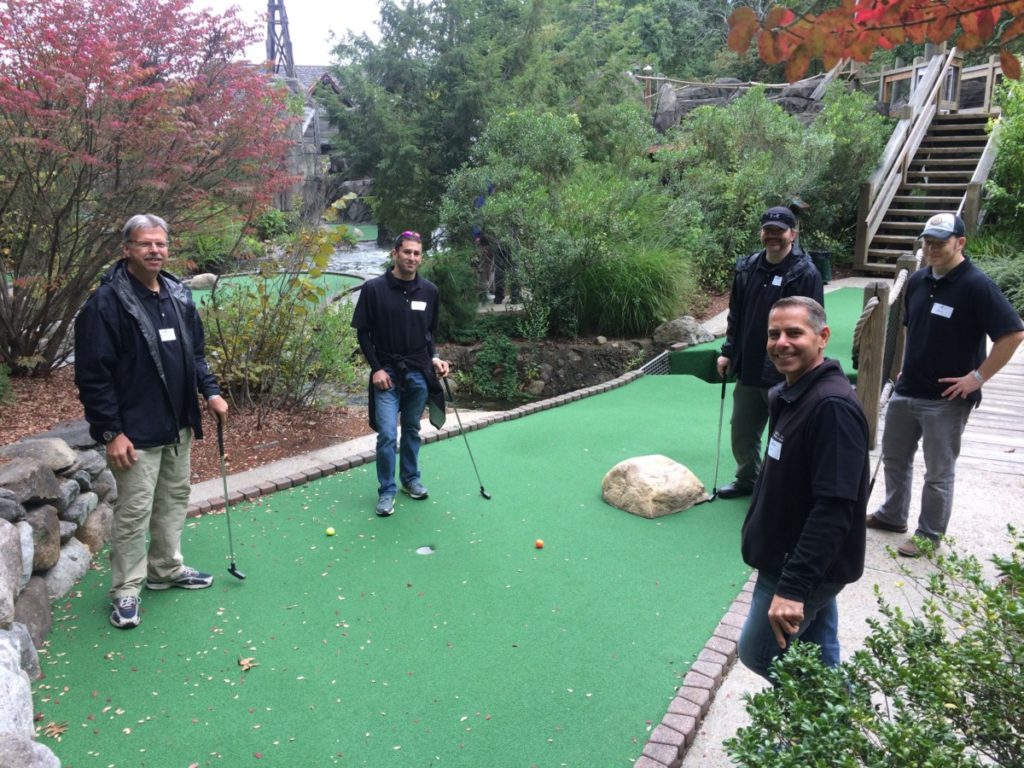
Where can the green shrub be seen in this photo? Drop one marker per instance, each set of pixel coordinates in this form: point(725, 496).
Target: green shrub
point(6, 391)
point(1005, 187)
point(273, 343)
point(944, 687)
point(494, 373)
point(272, 224)
point(455, 278)
point(1000, 254)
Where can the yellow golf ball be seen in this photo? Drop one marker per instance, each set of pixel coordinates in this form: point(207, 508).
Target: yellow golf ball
point(330, 531)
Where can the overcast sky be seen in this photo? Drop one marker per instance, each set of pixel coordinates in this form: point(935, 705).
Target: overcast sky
point(309, 24)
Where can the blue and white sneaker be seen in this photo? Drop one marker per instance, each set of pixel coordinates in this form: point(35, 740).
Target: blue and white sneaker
point(415, 489)
point(187, 578)
point(385, 505)
point(126, 612)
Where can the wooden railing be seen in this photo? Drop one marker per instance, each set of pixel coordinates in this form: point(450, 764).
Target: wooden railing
point(892, 81)
point(877, 192)
point(970, 207)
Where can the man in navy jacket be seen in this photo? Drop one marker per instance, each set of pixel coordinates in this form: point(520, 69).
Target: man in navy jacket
point(139, 362)
point(781, 268)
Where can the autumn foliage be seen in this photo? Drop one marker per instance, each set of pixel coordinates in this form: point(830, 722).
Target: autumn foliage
point(856, 28)
point(110, 108)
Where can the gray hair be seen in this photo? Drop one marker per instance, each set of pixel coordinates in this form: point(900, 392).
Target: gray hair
point(140, 220)
point(815, 312)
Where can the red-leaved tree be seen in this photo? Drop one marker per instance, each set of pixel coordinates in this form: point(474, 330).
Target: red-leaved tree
point(110, 108)
point(856, 28)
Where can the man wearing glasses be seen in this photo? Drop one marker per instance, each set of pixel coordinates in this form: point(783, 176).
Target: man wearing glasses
point(950, 306)
point(396, 318)
point(139, 362)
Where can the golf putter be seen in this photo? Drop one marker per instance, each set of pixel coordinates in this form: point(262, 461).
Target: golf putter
point(462, 432)
point(232, 569)
point(718, 442)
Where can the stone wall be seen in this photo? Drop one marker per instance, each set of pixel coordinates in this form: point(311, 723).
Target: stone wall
point(55, 513)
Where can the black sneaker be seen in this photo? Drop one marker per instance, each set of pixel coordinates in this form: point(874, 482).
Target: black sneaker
point(188, 578)
point(126, 612)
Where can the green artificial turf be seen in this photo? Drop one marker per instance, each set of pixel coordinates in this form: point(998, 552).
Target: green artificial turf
point(488, 652)
point(332, 282)
point(842, 307)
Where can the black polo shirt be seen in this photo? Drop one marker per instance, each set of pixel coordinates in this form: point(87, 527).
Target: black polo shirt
point(947, 320)
point(160, 309)
point(396, 318)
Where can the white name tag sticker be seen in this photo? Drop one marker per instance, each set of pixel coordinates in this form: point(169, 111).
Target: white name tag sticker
point(418, 306)
point(774, 448)
point(942, 310)
point(777, 281)
point(167, 334)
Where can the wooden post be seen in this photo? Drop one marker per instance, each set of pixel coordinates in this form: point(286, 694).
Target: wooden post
point(872, 351)
point(907, 261)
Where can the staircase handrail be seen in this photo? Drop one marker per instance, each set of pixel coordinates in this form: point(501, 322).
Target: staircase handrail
point(878, 191)
point(970, 205)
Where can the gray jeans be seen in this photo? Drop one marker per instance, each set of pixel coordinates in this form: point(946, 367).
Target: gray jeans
point(749, 417)
point(938, 425)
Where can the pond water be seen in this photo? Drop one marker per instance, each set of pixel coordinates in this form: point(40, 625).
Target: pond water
point(365, 259)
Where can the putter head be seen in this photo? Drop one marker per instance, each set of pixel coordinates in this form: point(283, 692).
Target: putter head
point(235, 572)
point(484, 493)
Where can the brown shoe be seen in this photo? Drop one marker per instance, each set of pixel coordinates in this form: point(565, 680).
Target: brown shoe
point(875, 523)
point(910, 548)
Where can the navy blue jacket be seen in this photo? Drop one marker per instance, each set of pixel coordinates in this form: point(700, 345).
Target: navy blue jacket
point(755, 288)
point(118, 369)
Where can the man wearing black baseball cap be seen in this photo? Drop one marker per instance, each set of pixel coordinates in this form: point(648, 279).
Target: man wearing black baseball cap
point(782, 268)
point(950, 307)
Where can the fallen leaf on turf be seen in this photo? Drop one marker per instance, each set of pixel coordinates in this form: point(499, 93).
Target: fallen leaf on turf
point(55, 730)
point(247, 664)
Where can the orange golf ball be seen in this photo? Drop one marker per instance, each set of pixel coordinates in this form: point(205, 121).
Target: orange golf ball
point(539, 543)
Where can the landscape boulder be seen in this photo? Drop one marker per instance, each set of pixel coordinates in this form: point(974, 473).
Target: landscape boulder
point(652, 486)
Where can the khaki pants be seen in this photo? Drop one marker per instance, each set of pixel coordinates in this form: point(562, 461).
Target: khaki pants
point(152, 497)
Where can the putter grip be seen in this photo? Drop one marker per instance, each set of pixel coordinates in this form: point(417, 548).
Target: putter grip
point(220, 437)
point(448, 389)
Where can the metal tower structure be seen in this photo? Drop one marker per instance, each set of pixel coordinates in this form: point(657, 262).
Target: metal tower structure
point(279, 44)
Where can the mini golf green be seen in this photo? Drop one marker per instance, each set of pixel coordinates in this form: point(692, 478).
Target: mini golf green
point(333, 283)
point(362, 651)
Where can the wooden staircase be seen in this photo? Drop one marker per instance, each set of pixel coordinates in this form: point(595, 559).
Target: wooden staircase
point(936, 180)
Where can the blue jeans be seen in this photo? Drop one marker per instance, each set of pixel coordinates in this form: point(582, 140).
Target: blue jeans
point(408, 398)
point(757, 647)
point(938, 425)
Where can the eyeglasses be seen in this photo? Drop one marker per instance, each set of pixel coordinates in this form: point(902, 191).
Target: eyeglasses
point(410, 235)
point(147, 244)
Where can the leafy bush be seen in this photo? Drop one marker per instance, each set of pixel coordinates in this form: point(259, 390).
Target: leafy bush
point(273, 343)
point(272, 224)
point(732, 163)
point(941, 688)
point(1005, 187)
point(452, 272)
point(494, 372)
point(1000, 254)
point(6, 391)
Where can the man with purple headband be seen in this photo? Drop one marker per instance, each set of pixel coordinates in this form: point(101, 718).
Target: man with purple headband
point(396, 318)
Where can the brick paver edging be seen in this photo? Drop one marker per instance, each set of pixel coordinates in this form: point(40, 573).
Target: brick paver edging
point(670, 739)
point(674, 735)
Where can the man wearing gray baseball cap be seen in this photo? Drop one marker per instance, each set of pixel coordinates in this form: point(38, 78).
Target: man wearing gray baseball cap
point(950, 307)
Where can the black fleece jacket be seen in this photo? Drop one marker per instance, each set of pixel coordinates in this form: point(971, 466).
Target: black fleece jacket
point(118, 369)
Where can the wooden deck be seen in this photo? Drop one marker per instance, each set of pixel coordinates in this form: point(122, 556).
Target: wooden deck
point(994, 439)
